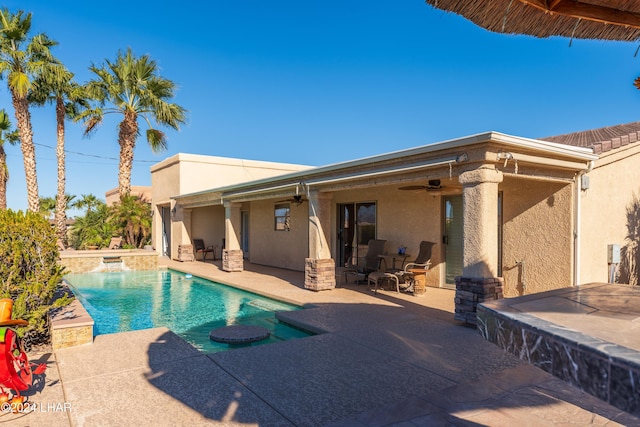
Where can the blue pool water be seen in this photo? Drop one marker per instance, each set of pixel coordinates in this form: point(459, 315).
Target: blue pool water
point(191, 307)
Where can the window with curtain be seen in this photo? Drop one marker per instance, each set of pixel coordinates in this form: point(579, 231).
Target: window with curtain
point(282, 217)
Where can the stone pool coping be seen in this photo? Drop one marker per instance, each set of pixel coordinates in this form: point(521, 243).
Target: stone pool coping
point(71, 326)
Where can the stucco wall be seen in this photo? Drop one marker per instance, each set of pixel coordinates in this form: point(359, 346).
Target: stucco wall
point(537, 229)
point(284, 249)
point(404, 218)
point(207, 223)
point(612, 184)
point(189, 173)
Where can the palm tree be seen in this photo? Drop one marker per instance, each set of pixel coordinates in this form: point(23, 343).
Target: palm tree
point(132, 217)
point(88, 201)
point(5, 136)
point(55, 85)
point(132, 87)
point(47, 205)
point(92, 229)
point(21, 60)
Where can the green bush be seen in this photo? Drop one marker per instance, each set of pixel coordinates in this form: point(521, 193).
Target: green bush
point(29, 271)
point(93, 229)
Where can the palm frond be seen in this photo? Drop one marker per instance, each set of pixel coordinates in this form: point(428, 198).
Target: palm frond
point(19, 83)
point(5, 123)
point(12, 137)
point(157, 140)
point(92, 123)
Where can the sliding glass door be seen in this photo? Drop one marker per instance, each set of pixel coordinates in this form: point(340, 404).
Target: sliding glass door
point(452, 239)
point(356, 226)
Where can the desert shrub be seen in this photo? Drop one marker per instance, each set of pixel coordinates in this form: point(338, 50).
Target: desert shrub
point(29, 271)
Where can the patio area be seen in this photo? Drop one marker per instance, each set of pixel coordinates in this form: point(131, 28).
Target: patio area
point(385, 359)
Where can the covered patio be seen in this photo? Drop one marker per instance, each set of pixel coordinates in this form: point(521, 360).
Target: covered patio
point(478, 198)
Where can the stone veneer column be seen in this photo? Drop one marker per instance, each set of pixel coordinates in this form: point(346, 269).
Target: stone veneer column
point(479, 281)
point(320, 268)
point(232, 256)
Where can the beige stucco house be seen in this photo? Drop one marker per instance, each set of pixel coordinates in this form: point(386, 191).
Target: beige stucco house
point(143, 192)
point(176, 224)
point(527, 214)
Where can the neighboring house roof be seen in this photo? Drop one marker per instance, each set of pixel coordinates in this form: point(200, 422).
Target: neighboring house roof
point(601, 140)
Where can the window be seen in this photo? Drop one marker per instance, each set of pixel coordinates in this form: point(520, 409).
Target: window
point(283, 217)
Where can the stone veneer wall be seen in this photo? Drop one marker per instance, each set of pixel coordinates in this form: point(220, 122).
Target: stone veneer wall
point(605, 370)
point(472, 291)
point(92, 261)
point(319, 274)
point(232, 260)
point(71, 337)
point(71, 326)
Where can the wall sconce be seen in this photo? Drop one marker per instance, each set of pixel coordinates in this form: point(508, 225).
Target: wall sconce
point(462, 158)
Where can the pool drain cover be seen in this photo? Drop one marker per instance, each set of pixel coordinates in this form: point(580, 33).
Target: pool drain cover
point(239, 334)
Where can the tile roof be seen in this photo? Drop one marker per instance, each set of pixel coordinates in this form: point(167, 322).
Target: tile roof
point(600, 140)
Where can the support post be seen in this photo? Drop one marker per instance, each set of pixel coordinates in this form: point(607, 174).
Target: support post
point(232, 257)
point(320, 268)
point(479, 281)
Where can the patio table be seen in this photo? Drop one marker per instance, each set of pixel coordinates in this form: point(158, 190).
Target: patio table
point(394, 258)
point(419, 281)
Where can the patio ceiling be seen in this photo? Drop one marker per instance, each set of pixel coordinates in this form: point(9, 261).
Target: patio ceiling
point(584, 19)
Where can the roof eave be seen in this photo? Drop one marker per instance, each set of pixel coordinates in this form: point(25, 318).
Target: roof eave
point(580, 154)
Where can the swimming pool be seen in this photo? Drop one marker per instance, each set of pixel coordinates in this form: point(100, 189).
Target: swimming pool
point(121, 301)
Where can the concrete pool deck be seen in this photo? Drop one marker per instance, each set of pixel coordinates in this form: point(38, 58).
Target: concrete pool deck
point(385, 359)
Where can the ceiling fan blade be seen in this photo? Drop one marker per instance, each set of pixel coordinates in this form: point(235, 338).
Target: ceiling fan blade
point(414, 187)
point(295, 200)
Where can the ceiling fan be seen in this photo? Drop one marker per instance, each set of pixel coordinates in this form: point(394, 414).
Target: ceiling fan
point(296, 200)
point(432, 185)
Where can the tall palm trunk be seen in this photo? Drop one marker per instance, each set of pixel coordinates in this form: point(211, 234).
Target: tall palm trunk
point(4, 177)
point(61, 200)
point(127, 140)
point(23, 117)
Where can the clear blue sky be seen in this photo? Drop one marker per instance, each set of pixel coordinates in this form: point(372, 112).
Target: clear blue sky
point(319, 82)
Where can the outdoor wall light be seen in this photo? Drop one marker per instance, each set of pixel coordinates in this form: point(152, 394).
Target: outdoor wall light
point(508, 156)
point(462, 158)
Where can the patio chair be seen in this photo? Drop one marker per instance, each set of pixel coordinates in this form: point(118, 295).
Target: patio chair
point(200, 248)
point(362, 266)
point(115, 243)
point(422, 262)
